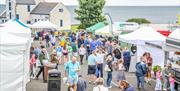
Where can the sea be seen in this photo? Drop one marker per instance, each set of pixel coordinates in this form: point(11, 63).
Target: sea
point(155, 14)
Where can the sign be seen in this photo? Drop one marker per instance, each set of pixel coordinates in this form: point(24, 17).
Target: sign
point(179, 19)
point(127, 26)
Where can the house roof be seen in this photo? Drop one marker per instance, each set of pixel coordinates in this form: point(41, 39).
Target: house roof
point(44, 8)
point(2, 10)
point(3, 15)
point(25, 2)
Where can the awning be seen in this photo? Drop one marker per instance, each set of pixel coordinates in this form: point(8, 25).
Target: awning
point(170, 48)
point(96, 27)
point(164, 32)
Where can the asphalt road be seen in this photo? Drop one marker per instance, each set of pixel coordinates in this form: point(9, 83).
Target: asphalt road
point(38, 85)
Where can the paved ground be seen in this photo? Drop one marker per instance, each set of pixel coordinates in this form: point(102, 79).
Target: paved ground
point(38, 85)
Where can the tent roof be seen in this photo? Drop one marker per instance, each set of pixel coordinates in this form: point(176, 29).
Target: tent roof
point(95, 27)
point(175, 34)
point(9, 39)
point(142, 35)
point(105, 31)
point(43, 24)
point(16, 27)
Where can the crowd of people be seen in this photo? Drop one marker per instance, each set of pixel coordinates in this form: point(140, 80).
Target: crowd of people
point(103, 55)
point(164, 77)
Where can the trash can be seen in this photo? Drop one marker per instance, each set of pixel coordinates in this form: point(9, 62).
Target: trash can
point(54, 80)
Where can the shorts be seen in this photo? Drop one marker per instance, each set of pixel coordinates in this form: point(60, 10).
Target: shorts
point(75, 53)
point(59, 54)
point(91, 69)
point(72, 81)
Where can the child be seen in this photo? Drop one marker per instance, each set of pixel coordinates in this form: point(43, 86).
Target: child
point(158, 86)
point(32, 65)
point(59, 53)
point(171, 80)
point(120, 71)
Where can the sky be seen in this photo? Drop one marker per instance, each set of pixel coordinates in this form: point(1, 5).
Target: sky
point(125, 2)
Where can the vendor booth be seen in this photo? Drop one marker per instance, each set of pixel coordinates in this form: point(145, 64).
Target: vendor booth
point(106, 32)
point(43, 24)
point(14, 56)
point(147, 40)
point(172, 55)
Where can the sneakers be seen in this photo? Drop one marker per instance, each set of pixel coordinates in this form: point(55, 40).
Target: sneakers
point(109, 87)
point(35, 78)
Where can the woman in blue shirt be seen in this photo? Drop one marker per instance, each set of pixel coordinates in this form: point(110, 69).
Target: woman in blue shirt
point(92, 67)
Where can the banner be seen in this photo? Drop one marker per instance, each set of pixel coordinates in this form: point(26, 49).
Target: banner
point(179, 19)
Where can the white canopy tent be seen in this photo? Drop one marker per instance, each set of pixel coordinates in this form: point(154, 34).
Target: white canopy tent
point(175, 34)
point(106, 32)
point(43, 24)
point(14, 51)
point(141, 37)
point(16, 27)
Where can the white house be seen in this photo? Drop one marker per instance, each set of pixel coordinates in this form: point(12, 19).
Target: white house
point(56, 13)
point(23, 9)
point(20, 9)
point(2, 13)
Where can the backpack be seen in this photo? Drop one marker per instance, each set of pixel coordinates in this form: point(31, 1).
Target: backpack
point(118, 54)
point(74, 48)
point(58, 49)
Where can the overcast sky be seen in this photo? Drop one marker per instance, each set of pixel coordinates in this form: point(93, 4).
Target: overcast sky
point(126, 2)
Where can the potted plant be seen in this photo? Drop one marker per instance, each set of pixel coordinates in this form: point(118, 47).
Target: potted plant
point(155, 69)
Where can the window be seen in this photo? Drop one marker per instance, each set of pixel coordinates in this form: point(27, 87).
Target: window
point(17, 16)
point(61, 10)
point(9, 3)
point(10, 15)
point(46, 18)
point(38, 19)
point(10, 8)
point(28, 8)
point(61, 23)
point(35, 20)
point(3, 21)
point(28, 22)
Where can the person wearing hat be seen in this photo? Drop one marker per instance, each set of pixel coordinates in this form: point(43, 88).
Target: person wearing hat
point(100, 86)
point(165, 73)
point(54, 58)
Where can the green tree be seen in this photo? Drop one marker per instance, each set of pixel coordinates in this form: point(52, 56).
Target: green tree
point(139, 20)
point(90, 12)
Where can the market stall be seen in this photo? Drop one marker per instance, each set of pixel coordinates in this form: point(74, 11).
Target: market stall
point(43, 24)
point(106, 32)
point(172, 54)
point(15, 44)
point(147, 40)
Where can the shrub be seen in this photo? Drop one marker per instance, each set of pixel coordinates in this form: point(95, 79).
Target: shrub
point(139, 20)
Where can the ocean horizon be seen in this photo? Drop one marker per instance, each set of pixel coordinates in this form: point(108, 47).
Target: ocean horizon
point(155, 14)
